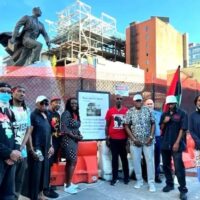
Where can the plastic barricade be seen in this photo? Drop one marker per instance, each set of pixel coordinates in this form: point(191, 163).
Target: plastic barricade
point(86, 168)
point(189, 155)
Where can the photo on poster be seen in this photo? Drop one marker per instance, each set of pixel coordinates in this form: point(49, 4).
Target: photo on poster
point(93, 107)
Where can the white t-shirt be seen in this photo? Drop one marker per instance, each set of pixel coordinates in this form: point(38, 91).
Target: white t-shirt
point(22, 118)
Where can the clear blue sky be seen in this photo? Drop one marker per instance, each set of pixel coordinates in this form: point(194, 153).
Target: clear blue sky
point(184, 14)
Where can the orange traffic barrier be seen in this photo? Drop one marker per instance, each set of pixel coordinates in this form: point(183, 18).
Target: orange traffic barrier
point(190, 146)
point(86, 168)
point(58, 174)
point(189, 155)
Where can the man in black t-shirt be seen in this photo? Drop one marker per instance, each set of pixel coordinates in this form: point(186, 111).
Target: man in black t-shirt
point(54, 119)
point(173, 124)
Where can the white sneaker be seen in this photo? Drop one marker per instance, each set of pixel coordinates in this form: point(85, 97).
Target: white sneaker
point(70, 189)
point(152, 187)
point(138, 184)
point(75, 185)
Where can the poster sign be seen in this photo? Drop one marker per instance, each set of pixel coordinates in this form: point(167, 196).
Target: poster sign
point(93, 107)
point(122, 90)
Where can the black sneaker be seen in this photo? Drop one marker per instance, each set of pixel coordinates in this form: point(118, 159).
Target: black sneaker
point(168, 188)
point(158, 180)
point(126, 181)
point(50, 193)
point(113, 182)
point(183, 196)
point(53, 187)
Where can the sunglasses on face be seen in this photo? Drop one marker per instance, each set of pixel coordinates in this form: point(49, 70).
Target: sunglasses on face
point(118, 98)
point(46, 103)
point(74, 103)
point(139, 101)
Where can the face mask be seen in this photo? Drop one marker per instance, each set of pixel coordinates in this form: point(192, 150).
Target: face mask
point(198, 108)
point(5, 97)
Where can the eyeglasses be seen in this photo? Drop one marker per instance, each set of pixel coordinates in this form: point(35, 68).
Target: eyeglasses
point(118, 98)
point(46, 103)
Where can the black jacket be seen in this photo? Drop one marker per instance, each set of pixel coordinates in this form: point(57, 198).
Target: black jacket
point(7, 136)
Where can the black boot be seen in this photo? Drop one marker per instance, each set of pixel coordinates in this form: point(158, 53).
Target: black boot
point(183, 196)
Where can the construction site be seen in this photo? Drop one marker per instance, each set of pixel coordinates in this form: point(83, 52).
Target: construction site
point(78, 34)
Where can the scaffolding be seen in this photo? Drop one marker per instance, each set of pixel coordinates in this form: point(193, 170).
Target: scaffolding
point(79, 34)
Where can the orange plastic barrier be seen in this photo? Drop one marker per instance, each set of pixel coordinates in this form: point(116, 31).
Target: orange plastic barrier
point(189, 154)
point(86, 169)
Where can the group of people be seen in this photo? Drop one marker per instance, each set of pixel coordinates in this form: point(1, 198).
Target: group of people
point(150, 135)
point(30, 142)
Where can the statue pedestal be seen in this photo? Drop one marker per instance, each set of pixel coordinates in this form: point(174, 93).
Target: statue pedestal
point(45, 63)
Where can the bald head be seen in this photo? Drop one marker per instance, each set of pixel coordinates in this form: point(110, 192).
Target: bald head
point(149, 103)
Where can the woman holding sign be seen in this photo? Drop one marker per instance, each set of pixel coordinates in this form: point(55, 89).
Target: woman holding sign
point(70, 123)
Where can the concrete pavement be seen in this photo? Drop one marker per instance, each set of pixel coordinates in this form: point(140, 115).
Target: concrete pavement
point(103, 191)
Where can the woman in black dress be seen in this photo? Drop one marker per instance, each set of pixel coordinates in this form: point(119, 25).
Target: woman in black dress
point(70, 123)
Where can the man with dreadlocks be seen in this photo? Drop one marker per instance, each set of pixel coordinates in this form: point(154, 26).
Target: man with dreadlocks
point(22, 124)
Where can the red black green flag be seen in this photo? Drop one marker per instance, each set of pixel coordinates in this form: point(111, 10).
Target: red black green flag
point(175, 88)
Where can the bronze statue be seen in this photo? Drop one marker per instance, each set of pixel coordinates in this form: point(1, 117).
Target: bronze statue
point(22, 46)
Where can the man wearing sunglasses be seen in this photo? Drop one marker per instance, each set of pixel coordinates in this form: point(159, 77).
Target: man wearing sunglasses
point(41, 149)
point(139, 125)
point(117, 139)
point(8, 153)
point(173, 124)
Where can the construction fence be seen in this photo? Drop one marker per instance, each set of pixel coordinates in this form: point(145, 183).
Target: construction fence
point(66, 83)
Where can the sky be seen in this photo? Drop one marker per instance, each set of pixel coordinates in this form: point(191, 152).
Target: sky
point(184, 14)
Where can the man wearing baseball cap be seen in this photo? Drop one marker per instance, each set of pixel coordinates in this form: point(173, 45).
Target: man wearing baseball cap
point(173, 124)
point(9, 151)
point(139, 125)
point(41, 149)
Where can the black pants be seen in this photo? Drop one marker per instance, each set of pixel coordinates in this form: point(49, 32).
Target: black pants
point(157, 156)
point(19, 177)
point(57, 146)
point(55, 157)
point(7, 181)
point(179, 168)
point(118, 148)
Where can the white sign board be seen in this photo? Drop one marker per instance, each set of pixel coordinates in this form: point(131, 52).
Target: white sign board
point(122, 90)
point(93, 107)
